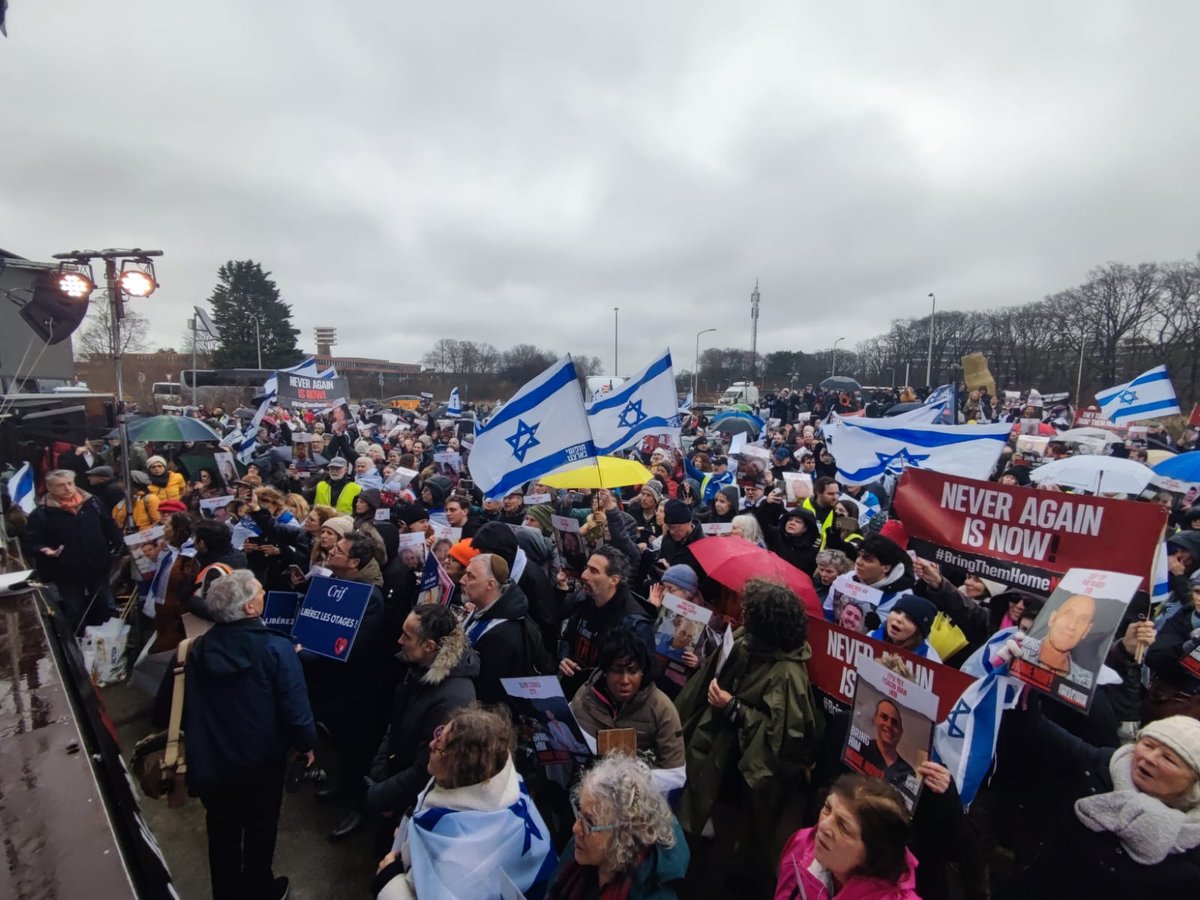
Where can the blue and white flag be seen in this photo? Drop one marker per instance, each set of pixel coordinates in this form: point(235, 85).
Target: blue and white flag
point(270, 395)
point(1148, 396)
point(541, 430)
point(645, 404)
point(868, 449)
point(454, 405)
point(966, 742)
point(686, 406)
point(927, 415)
point(939, 395)
point(21, 489)
point(457, 852)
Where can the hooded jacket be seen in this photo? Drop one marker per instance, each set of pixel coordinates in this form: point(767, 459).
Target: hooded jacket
point(798, 549)
point(649, 712)
point(88, 536)
point(498, 636)
point(799, 856)
point(245, 703)
point(424, 700)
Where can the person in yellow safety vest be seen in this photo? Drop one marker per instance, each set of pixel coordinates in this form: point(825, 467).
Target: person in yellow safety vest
point(823, 505)
point(337, 490)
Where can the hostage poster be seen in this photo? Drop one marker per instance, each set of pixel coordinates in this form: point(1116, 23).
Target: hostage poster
point(305, 392)
point(1024, 538)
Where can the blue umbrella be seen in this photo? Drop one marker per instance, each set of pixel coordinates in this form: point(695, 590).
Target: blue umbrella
point(1184, 467)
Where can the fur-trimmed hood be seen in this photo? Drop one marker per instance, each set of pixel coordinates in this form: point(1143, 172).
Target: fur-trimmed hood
point(455, 658)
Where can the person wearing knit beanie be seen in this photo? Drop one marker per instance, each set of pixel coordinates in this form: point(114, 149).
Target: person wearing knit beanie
point(676, 512)
point(539, 515)
point(339, 525)
point(1181, 735)
point(682, 578)
point(908, 624)
point(463, 552)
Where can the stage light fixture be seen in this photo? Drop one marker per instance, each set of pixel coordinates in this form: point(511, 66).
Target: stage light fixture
point(75, 285)
point(137, 283)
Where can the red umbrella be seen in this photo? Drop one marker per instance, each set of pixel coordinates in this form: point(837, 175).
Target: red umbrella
point(733, 561)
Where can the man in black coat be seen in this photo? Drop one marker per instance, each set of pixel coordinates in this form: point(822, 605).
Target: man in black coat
point(681, 533)
point(74, 542)
point(104, 486)
point(442, 666)
point(496, 628)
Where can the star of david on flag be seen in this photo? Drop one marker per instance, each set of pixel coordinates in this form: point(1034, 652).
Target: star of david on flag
point(1148, 396)
point(523, 439)
point(868, 449)
point(632, 415)
point(647, 404)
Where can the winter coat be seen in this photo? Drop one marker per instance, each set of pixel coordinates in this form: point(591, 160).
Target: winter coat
point(424, 700)
point(659, 872)
point(798, 549)
point(799, 857)
point(678, 553)
point(650, 713)
point(587, 624)
point(770, 736)
point(174, 489)
point(89, 538)
point(339, 495)
point(245, 703)
point(145, 511)
point(498, 636)
point(1074, 861)
point(1172, 644)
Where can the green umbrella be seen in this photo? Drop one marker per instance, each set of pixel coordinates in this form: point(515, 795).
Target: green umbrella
point(742, 407)
point(171, 429)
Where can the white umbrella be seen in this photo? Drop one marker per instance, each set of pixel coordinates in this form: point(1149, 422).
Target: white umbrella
point(1097, 474)
point(1087, 435)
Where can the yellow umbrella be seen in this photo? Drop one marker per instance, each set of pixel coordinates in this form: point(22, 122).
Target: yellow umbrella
point(604, 472)
point(1156, 456)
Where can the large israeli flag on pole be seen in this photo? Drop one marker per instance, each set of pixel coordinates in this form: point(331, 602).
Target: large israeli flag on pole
point(21, 490)
point(940, 395)
point(868, 449)
point(541, 430)
point(646, 404)
point(1148, 396)
point(454, 405)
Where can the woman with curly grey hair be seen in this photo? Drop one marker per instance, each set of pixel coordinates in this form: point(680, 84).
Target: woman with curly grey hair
point(625, 842)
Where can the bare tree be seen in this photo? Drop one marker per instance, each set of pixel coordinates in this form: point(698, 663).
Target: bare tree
point(95, 339)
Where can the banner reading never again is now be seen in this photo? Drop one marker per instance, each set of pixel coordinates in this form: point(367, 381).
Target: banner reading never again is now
point(1022, 537)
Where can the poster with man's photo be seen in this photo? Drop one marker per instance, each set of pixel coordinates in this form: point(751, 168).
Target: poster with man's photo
point(680, 627)
point(1065, 648)
point(573, 548)
point(145, 547)
point(411, 550)
point(797, 486)
point(891, 728)
point(226, 468)
point(210, 505)
point(545, 722)
point(852, 601)
point(449, 464)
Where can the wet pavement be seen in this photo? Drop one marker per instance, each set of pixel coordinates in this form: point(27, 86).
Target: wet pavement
point(318, 869)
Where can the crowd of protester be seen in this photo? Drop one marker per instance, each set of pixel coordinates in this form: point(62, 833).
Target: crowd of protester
point(737, 785)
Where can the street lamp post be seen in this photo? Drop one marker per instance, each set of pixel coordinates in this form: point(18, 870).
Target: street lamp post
point(929, 361)
point(696, 368)
point(257, 339)
point(616, 355)
point(833, 367)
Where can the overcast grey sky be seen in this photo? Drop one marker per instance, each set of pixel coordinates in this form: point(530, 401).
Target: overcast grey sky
point(510, 172)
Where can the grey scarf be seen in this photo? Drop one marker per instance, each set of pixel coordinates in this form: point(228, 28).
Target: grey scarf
point(1148, 829)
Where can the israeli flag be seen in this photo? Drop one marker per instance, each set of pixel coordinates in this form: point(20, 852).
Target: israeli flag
point(21, 489)
point(868, 449)
point(1148, 396)
point(541, 430)
point(940, 395)
point(966, 742)
point(645, 404)
point(686, 406)
point(268, 398)
point(454, 405)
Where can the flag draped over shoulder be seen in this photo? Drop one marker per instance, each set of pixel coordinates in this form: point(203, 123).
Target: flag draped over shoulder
point(21, 489)
point(868, 449)
point(965, 743)
point(646, 404)
point(542, 429)
point(1148, 396)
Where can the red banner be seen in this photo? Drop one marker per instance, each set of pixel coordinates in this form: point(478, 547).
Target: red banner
point(836, 650)
point(1091, 417)
point(1022, 537)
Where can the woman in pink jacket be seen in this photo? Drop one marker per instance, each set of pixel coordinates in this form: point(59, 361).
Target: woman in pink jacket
point(857, 851)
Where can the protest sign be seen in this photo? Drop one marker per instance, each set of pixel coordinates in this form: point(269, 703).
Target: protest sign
point(210, 505)
point(449, 464)
point(976, 373)
point(616, 740)
point(1033, 444)
point(225, 468)
point(1030, 426)
point(837, 651)
point(845, 591)
point(717, 529)
point(1092, 417)
point(411, 549)
point(538, 499)
point(573, 549)
point(891, 728)
point(545, 721)
point(798, 487)
point(1022, 538)
point(680, 626)
point(1065, 648)
point(305, 392)
point(443, 532)
point(279, 610)
point(1191, 662)
point(329, 617)
point(145, 547)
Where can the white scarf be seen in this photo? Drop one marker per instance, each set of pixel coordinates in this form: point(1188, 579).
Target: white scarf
point(1148, 829)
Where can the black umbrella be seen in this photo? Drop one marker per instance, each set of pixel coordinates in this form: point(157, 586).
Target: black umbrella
point(840, 383)
point(903, 408)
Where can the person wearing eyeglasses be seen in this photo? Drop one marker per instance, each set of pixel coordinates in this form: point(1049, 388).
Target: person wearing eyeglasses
point(474, 821)
point(625, 841)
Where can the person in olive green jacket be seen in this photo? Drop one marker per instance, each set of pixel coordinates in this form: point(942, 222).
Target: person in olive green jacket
point(751, 733)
